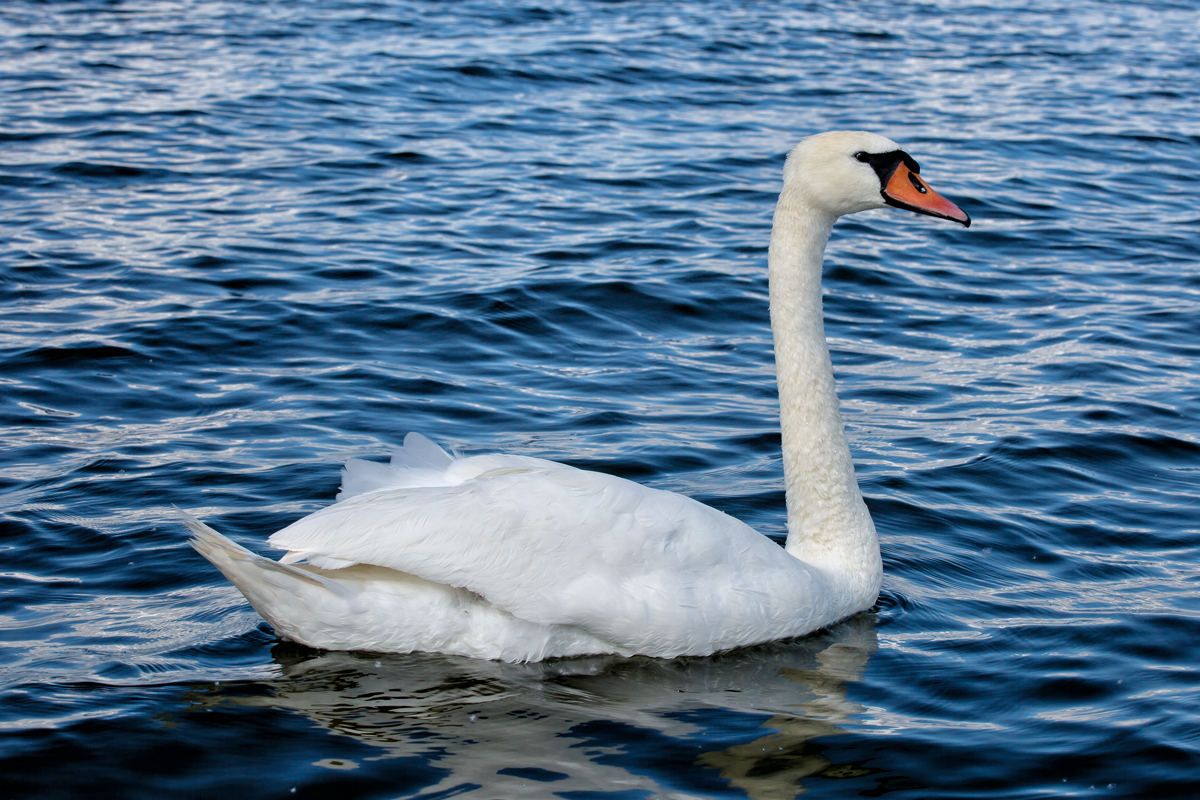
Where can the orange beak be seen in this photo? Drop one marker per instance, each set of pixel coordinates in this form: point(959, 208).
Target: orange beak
point(906, 189)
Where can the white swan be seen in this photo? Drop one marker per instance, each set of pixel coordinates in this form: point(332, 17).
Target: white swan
point(521, 559)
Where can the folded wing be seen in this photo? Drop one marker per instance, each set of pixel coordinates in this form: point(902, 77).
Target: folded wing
point(639, 567)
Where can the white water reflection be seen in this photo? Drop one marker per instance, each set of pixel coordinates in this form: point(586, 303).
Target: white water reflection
point(539, 730)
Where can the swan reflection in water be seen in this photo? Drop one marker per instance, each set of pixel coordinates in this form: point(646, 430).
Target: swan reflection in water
point(583, 724)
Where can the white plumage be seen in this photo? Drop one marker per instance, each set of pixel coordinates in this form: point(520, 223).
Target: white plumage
point(520, 559)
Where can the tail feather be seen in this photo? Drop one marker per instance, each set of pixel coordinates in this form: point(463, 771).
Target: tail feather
point(236, 561)
point(282, 594)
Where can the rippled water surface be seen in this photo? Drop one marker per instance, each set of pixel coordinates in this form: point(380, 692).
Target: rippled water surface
point(242, 242)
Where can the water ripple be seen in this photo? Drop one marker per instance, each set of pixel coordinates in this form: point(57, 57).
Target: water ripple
point(244, 242)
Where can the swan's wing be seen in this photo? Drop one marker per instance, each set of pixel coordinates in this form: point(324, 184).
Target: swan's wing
point(557, 545)
point(420, 462)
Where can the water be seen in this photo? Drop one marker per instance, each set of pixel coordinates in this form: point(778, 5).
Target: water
point(243, 242)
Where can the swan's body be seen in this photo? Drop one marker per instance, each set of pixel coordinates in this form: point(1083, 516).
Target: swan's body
point(520, 559)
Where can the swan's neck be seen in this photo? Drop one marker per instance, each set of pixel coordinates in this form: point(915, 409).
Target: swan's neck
point(828, 523)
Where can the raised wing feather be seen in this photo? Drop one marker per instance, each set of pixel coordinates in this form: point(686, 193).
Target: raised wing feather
point(419, 463)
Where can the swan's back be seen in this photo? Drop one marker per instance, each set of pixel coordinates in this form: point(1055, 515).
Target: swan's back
point(644, 570)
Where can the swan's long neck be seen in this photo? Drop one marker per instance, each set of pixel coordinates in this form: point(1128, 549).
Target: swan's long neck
point(828, 523)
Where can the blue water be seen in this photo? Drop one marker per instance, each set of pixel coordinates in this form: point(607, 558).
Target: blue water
point(242, 242)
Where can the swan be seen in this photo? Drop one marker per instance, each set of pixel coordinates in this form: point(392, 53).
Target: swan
point(516, 558)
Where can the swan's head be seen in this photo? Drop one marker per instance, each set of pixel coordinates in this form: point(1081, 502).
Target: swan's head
point(844, 172)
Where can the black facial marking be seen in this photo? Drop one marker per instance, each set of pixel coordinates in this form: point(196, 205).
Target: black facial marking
point(886, 164)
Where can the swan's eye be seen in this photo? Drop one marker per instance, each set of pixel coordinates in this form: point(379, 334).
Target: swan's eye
point(916, 182)
point(862, 156)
